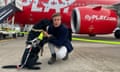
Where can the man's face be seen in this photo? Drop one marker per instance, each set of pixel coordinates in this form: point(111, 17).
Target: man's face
point(57, 21)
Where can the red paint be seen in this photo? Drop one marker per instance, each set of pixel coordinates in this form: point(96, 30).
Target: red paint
point(29, 17)
point(101, 21)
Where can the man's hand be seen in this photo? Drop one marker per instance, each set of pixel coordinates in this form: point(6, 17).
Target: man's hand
point(46, 34)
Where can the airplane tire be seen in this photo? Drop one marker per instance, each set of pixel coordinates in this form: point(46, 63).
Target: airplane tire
point(117, 34)
point(92, 35)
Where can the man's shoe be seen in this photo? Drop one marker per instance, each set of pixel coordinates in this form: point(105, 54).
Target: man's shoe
point(52, 60)
point(66, 57)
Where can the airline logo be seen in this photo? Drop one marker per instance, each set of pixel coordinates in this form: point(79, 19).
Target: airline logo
point(57, 5)
point(99, 17)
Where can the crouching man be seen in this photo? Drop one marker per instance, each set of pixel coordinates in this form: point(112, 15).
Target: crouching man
point(58, 37)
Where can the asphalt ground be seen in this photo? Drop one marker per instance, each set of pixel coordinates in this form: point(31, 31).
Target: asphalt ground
point(86, 57)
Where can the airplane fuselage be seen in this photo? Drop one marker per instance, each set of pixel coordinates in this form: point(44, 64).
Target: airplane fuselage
point(35, 10)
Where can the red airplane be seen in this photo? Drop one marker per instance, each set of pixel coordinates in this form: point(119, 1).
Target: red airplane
point(82, 16)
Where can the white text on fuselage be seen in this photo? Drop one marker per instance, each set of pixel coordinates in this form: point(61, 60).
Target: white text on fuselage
point(99, 17)
point(51, 4)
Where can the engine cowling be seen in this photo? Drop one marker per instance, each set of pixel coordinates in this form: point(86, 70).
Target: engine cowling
point(89, 20)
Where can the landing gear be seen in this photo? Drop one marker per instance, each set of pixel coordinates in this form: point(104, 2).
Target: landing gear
point(117, 34)
point(92, 35)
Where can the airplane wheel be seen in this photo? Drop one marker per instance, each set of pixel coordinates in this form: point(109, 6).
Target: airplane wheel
point(117, 34)
point(92, 35)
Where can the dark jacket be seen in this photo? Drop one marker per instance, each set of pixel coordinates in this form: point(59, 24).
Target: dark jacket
point(61, 37)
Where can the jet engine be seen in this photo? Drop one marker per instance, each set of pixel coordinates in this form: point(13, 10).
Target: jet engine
point(92, 21)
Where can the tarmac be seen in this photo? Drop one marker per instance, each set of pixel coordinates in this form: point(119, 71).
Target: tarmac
point(86, 56)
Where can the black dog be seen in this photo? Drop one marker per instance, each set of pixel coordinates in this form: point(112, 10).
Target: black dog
point(30, 56)
point(33, 46)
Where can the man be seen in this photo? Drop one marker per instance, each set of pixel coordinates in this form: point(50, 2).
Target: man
point(58, 36)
